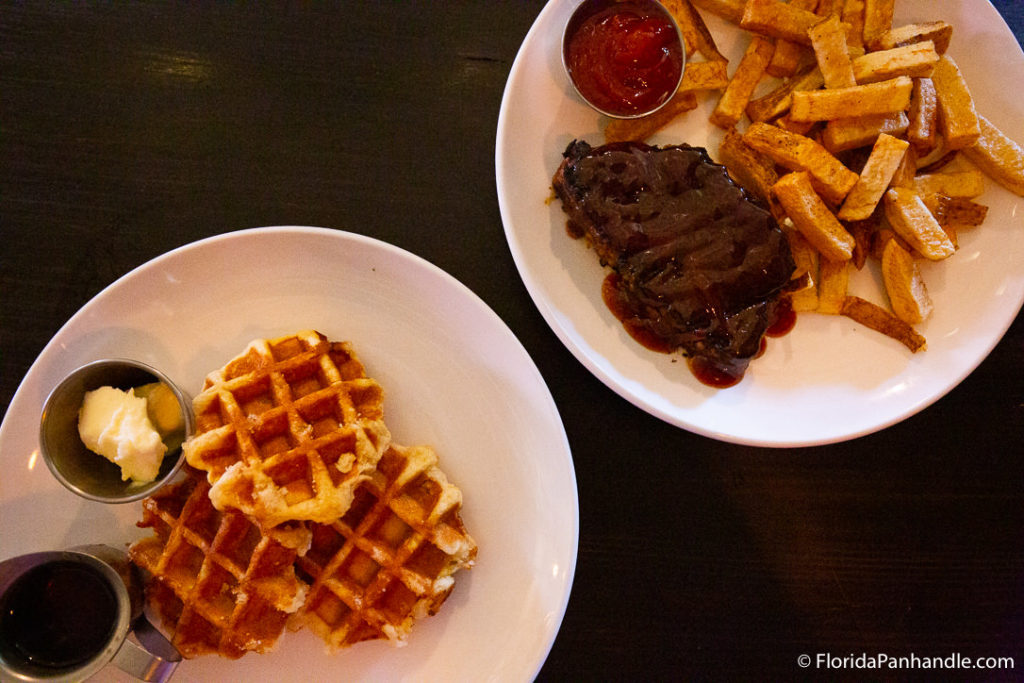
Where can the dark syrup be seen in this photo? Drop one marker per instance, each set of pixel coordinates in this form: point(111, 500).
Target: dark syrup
point(57, 615)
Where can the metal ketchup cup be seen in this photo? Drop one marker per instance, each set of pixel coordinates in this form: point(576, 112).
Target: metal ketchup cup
point(587, 8)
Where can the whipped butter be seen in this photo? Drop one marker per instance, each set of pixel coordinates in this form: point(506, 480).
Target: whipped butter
point(116, 425)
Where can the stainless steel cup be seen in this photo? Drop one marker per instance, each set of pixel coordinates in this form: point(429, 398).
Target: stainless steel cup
point(66, 614)
point(75, 466)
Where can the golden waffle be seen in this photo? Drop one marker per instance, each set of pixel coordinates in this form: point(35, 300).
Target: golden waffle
point(219, 583)
point(288, 429)
point(390, 559)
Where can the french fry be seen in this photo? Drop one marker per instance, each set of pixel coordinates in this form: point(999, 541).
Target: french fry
point(751, 169)
point(787, 59)
point(874, 179)
point(746, 77)
point(958, 212)
point(923, 115)
point(805, 128)
point(834, 280)
point(805, 258)
point(829, 8)
point(906, 171)
point(841, 135)
point(911, 219)
point(884, 97)
point(812, 217)
point(877, 318)
point(619, 130)
point(939, 32)
point(828, 39)
point(853, 17)
point(915, 60)
point(936, 160)
point(999, 157)
point(968, 184)
point(800, 153)
point(731, 10)
point(695, 33)
point(710, 75)
point(908, 295)
point(776, 102)
point(958, 119)
point(863, 233)
point(789, 55)
point(881, 237)
point(878, 16)
point(778, 20)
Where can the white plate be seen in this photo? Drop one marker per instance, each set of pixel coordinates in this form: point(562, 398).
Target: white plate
point(828, 380)
point(454, 377)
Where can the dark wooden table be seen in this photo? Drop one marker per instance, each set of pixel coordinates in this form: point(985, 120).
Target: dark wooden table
point(127, 130)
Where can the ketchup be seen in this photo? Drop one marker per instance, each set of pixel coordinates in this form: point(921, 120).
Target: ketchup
point(624, 57)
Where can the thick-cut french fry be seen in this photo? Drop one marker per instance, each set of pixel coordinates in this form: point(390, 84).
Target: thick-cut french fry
point(924, 116)
point(788, 56)
point(863, 233)
point(805, 258)
point(731, 10)
point(936, 160)
point(906, 171)
point(778, 20)
point(968, 184)
point(916, 60)
point(751, 169)
point(874, 179)
point(881, 237)
point(877, 18)
point(619, 130)
point(958, 212)
point(695, 33)
point(829, 8)
point(711, 75)
point(939, 32)
point(908, 295)
point(776, 102)
point(804, 128)
point(843, 134)
point(746, 77)
point(853, 17)
point(999, 157)
point(884, 97)
point(787, 59)
point(834, 277)
point(958, 119)
point(878, 319)
point(812, 217)
point(799, 153)
point(828, 39)
point(911, 219)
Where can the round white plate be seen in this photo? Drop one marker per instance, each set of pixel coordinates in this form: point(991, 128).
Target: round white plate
point(830, 379)
point(454, 377)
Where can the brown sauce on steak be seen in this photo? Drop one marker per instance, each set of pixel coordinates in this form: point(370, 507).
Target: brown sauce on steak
point(698, 265)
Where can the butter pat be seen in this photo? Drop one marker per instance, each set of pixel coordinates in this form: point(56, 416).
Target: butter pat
point(116, 425)
point(162, 407)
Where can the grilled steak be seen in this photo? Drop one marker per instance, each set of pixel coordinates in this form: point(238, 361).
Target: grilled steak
point(700, 265)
